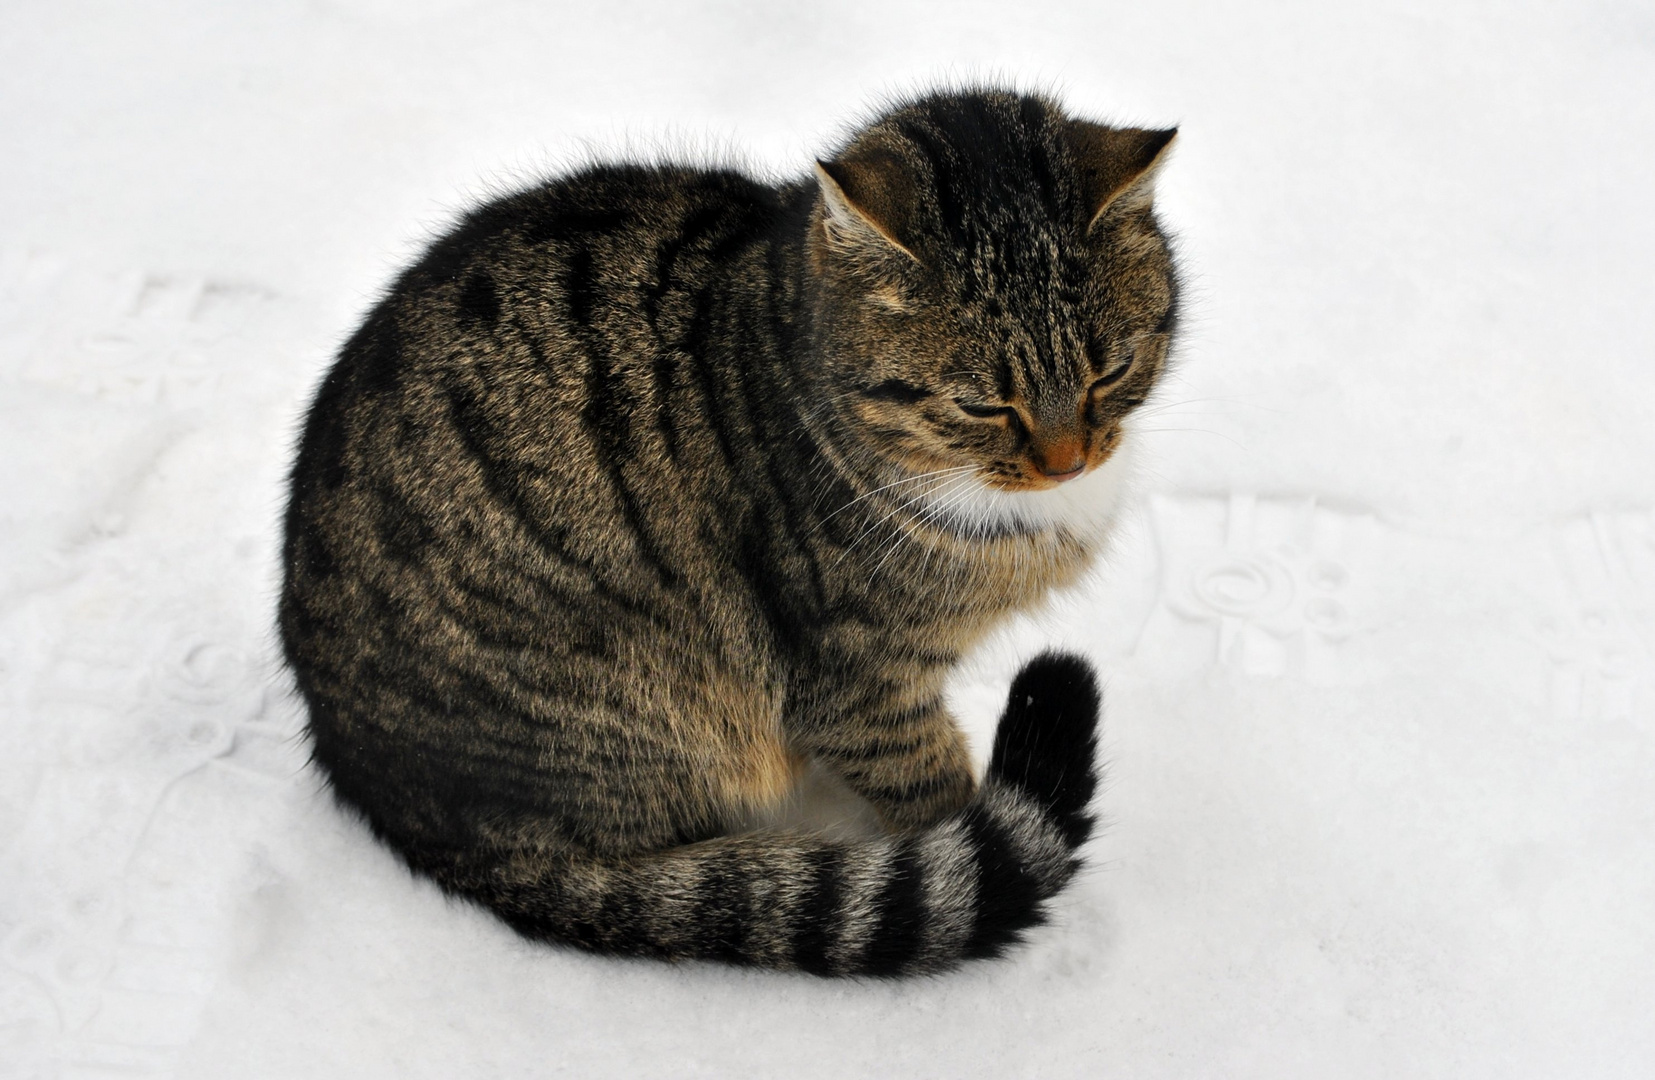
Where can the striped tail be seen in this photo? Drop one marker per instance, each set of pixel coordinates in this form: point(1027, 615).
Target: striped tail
point(963, 889)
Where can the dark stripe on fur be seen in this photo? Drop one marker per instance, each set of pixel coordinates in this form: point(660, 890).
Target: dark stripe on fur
point(664, 377)
point(1008, 896)
point(706, 381)
point(938, 155)
point(719, 920)
point(816, 924)
point(572, 223)
point(873, 749)
point(896, 390)
point(901, 915)
point(918, 792)
point(479, 301)
point(580, 287)
point(608, 412)
point(1034, 119)
point(503, 482)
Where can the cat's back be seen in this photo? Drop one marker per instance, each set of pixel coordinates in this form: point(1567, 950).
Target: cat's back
point(589, 297)
point(546, 388)
point(608, 236)
point(610, 250)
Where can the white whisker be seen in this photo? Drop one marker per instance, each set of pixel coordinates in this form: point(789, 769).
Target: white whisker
point(898, 483)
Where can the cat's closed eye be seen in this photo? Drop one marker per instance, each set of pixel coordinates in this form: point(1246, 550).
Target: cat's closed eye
point(1003, 413)
point(985, 412)
point(1116, 374)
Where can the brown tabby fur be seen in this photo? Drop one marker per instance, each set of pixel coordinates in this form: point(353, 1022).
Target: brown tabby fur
point(632, 496)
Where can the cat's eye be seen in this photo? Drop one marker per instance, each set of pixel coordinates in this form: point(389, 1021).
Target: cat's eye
point(986, 412)
point(1115, 376)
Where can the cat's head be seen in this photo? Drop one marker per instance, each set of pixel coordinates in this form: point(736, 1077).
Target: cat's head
point(992, 294)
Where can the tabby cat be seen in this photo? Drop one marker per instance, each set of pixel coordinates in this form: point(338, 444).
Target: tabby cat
point(646, 486)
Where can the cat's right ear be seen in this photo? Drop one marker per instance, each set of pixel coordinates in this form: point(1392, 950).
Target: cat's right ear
point(863, 205)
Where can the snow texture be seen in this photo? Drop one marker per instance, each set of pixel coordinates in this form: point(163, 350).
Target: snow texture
point(1378, 631)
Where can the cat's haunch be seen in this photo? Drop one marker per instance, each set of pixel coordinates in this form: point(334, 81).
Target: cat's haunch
point(648, 485)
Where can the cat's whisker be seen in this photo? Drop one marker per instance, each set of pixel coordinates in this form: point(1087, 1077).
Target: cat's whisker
point(976, 524)
point(916, 504)
point(865, 533)
point(932, 512)
point(898, 483)
point(901, 535)
point(924, 509)
point(943, 501)
point(936, 514)
point(904, 502)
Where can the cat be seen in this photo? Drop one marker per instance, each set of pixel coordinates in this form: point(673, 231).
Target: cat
point(648, 485)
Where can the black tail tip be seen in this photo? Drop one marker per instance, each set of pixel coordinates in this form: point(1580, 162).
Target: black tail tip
point(1047, 739)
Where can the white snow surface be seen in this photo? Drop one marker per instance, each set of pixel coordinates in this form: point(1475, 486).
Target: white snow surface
point(1378, 630)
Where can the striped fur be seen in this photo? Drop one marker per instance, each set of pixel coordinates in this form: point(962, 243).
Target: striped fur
point(964, 888)
point(648, 486)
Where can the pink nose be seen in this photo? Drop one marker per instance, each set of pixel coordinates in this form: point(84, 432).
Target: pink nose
point(1069, 474)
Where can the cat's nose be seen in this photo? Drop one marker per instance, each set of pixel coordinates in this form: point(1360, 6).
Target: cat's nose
point(1067, 474)
point(1063, 460)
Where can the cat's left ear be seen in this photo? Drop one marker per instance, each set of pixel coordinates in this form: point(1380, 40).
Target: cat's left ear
point(866, 203)
point(1118, 165)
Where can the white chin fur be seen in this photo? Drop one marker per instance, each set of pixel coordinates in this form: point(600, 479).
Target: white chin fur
point(1083, 506)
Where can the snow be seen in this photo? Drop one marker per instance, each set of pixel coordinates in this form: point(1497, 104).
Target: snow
point(1379, 631)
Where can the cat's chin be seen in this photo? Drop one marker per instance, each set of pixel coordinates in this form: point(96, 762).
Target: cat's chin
point(1083, 506)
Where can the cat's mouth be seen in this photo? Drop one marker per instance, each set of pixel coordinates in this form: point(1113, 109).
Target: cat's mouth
point(1034, 479)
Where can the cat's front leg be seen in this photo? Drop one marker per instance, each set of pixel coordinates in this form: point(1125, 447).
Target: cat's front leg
point(908, 759)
